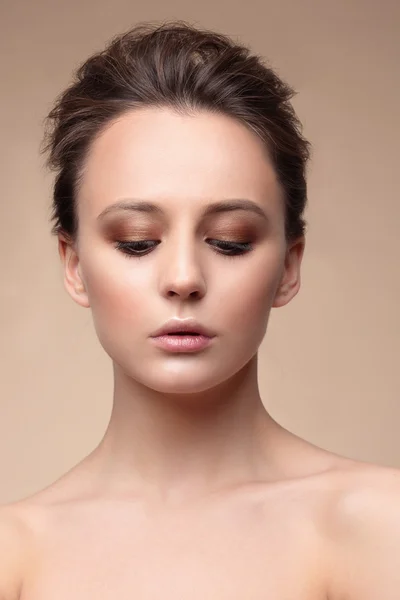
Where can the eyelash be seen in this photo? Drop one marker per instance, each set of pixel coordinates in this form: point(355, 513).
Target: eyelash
point(236, 249)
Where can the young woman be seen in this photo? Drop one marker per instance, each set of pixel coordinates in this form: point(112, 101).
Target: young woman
point(178, 208)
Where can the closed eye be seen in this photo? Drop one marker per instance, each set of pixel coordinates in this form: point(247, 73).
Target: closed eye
point(232, 248)
point(223, 247)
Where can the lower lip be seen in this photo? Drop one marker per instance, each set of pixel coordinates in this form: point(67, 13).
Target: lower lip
point(182, 343)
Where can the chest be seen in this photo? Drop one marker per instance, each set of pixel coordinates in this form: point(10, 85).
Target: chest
point(222, 555)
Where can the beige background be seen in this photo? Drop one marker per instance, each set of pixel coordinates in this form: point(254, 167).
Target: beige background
point(329, 365)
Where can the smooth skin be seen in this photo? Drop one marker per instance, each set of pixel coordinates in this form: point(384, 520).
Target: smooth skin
point(194, 492)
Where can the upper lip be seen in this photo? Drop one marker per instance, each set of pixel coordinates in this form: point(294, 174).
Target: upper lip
point(177, 325)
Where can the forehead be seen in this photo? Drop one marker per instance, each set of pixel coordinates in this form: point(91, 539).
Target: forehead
point(170, 158)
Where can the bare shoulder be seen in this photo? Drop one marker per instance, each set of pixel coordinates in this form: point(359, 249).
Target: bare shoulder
point(365, 493)
point(20, 523)
point(14, 546)
point(364, 532)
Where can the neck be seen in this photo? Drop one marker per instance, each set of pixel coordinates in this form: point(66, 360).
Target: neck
point(181, 446)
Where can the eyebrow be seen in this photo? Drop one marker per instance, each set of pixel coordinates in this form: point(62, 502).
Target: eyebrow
point(214, 208)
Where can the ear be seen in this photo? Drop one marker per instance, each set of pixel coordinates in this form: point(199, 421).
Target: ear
point(290, 282)
point(73, 280)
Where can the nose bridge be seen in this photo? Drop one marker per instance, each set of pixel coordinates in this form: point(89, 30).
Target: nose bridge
point(182, 272)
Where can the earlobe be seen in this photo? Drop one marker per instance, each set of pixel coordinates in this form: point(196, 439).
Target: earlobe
point(282, 296)
point(285, 293)
point(73, 280)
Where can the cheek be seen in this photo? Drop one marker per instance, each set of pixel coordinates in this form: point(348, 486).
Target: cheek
point(249, 299)
point(117, 292)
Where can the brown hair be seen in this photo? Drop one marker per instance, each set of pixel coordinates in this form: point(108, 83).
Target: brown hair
point(174, 65)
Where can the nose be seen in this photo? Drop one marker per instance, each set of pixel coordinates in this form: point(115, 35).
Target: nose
point(182, 274)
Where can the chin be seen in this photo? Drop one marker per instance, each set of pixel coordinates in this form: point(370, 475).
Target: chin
point(183, 378)
point(183, 374)
point(183, 383)
point(200, 379)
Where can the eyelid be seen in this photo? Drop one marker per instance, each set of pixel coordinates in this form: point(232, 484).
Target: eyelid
point(232, 249)
point(228, 224)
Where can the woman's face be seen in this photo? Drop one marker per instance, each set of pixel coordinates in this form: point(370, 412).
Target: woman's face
point(182, 165)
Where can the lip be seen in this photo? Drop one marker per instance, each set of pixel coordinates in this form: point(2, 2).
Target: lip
point(182, 343)
point(183, 325)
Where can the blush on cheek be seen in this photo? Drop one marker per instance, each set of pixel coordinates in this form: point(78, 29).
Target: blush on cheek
point(252, 313)
point(249, 310)
point(115, 295)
